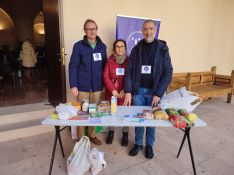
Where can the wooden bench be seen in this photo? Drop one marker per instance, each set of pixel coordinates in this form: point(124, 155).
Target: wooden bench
point(178, 81)
point(207, 84)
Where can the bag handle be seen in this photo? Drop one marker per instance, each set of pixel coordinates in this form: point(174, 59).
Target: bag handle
point(198, 100)
point(81, 142)
point(193, 93)
point(195, 103)
point(87, 143)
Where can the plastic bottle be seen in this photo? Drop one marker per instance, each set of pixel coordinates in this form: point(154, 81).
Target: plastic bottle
point(113, 105)
point(85, 104)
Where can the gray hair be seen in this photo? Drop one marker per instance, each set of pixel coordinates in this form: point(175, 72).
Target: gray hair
point(148, 21)
point(90, 21)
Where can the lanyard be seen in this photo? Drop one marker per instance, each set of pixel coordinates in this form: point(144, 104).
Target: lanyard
point(150, 53)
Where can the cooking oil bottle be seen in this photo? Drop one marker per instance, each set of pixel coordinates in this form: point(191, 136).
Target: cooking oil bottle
point(113, 105)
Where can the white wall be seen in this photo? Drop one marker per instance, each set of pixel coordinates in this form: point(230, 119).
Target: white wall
point(199, 33)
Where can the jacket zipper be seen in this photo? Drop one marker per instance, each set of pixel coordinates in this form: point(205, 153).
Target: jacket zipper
point(120, 66)
point(91, 90)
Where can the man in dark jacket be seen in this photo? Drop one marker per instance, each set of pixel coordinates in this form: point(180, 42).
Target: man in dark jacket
point(147, 77)
point(85, 71)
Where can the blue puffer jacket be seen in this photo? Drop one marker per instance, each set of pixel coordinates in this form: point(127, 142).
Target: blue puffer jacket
point(162, 70)
point(84, 72)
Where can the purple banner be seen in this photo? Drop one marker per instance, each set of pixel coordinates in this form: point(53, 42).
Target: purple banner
point(129, 29)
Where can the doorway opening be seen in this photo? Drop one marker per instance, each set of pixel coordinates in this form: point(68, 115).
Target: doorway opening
point(23, 69)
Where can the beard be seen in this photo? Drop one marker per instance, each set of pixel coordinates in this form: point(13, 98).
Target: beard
point(149, 39)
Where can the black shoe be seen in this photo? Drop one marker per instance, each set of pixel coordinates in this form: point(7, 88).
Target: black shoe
point(110, 137)
point(135, 150)
point(125, 139)
point(149, 153)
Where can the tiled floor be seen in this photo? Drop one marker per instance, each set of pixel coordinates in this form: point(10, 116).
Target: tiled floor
point(26, 92)
point(25, 108)
point(213, 148)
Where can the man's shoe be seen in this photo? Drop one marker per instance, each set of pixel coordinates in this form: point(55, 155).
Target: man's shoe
point(110, 137)
point(135, 150)
point(125, 139)
point(95, 141)
point(149, 153)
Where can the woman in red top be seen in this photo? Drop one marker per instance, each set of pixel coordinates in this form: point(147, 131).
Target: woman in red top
point(113, 76)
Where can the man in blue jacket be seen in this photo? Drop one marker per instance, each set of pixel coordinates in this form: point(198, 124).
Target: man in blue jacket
point(147, 77)
point(85, 71)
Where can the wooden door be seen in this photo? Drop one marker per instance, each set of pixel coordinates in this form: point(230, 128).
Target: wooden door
point(54, 52)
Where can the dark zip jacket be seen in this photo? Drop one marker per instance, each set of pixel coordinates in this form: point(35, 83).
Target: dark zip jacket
point(84, 72)
point(162, 69)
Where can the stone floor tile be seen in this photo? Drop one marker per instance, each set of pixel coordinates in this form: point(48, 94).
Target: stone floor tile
point(157, 167)
point(23, 167)
point(217, 167)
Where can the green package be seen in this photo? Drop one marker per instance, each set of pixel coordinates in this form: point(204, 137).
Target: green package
point(99, 129)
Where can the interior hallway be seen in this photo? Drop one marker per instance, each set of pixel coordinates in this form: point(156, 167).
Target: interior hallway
point(25, 91)
point(27, 150)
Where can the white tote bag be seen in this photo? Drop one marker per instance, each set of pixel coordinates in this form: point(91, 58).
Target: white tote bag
point(78, 162)
point(97, 160)
point(180, 99)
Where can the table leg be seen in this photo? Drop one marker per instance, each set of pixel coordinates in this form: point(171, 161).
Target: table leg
point(60, 142)
point(182, 144)
point(191, 152)
point(187, 134)
point(57, 132)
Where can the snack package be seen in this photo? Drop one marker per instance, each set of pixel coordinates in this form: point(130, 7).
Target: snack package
point(177, 121)
point(104, 106)
point(92, 107)
point(77, 105)
point(192, 117)
point(79, 118)
point(139, 115)
point(148, 114)
point(54, 116)
point(99, 114)
point(160, 115)
point(188, 122)
point(183, 112)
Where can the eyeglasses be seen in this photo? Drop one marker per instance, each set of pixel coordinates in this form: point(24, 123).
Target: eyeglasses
point(148, 29)
point(119, 47)
point(91, 29)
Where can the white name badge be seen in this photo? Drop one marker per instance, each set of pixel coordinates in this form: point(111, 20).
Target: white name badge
point(119, 71)
point(97, 56)
point(146, 69)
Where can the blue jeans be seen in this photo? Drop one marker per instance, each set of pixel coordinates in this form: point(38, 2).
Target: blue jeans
point(144, 98)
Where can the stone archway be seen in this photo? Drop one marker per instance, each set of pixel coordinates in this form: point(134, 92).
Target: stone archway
point(7, 29)
point(39, 30)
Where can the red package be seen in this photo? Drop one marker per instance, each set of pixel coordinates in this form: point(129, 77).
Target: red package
point(177, 121)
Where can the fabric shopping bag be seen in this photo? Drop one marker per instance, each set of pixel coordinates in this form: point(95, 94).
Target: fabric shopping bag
point(78, 162)
point(180, 99)
point(97, 160)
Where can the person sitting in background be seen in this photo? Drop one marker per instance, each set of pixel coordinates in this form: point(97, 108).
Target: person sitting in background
point(113, 77)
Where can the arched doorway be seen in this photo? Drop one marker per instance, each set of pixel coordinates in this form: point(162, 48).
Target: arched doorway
point(47, 42)
point(7, 28)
